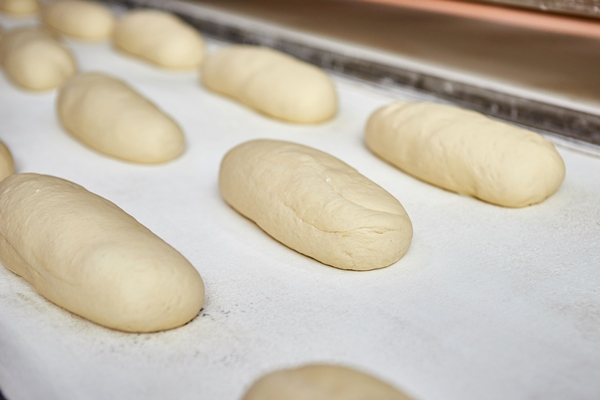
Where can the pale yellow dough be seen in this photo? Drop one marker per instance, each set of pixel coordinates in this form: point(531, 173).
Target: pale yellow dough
point(315, 204)
point(7, 165)
point(272, 82)
point(322, 382)
point(19, 7)
point(109, 116)
point(85, 254)
point(159, 38)
point(34, 60)
point(79, 19)
point(466, 152)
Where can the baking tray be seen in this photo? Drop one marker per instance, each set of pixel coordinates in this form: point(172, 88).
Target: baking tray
point(489, 302)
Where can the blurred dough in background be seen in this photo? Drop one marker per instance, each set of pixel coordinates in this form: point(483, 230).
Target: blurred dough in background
point(7, 165)
point(19, 7)
point(34, 60)
point(322, 382)
point(272, 82)
point(79, 19)
point(109, 116)
point(160, 38)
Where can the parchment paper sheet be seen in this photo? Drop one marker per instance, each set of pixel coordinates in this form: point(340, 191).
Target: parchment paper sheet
point(489, 303)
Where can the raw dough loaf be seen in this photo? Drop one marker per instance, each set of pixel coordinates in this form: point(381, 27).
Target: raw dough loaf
point(19, 7)
point(85, 254)
point(322, 382)
point(272, 82)
point(7, 165)
point(79, 19)
point(315, 204)
point(160, 38)
point(34, 60)
point(109, 116)
point(466, 152)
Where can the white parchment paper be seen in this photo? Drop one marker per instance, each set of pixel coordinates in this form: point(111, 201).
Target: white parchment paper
point(489, 303)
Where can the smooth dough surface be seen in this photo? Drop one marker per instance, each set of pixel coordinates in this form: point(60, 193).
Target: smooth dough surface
point(85, 254)
point(315, 204)
point(322, 382)
point(79, 19)
point(272, 82)
point(160, 38)
point(7, 164)
point(109, 116)
point(19, 7)
point(466, 152)
point(34, 60)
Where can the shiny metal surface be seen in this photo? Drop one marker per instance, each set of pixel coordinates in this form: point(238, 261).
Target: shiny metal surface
point(584, 8)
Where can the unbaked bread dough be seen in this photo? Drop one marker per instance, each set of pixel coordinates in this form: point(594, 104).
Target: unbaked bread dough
point(315, 204)
point(466, 152)
point(79, 19)
point(160, 38)
point(271, 82)
point(85, 254)
point(7, 165)
point(109, 116)
point(19, 7)
point(34, 60)
point(322, 382)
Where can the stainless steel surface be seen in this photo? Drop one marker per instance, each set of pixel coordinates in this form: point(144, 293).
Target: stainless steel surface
point(584, 8)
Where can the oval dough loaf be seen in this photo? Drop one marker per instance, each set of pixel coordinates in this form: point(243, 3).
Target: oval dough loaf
point(85, 254)
point(272, 82)
point(160, 38)
point(7, 165)
point(34, 60)
point(109, 116)
point(19, 7)
point(322, 382)
point(315, 204)
point(466, 152)
point(79, 19)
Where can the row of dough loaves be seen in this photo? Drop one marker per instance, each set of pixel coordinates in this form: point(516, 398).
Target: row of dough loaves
point(33, 59)
point(464, 151)
point(113, 271)
point(105, 266)
point(304, 198)
point(323, 208)
point(109, 116)
point(29, 55)
point(366, 228)
point(269, 81)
